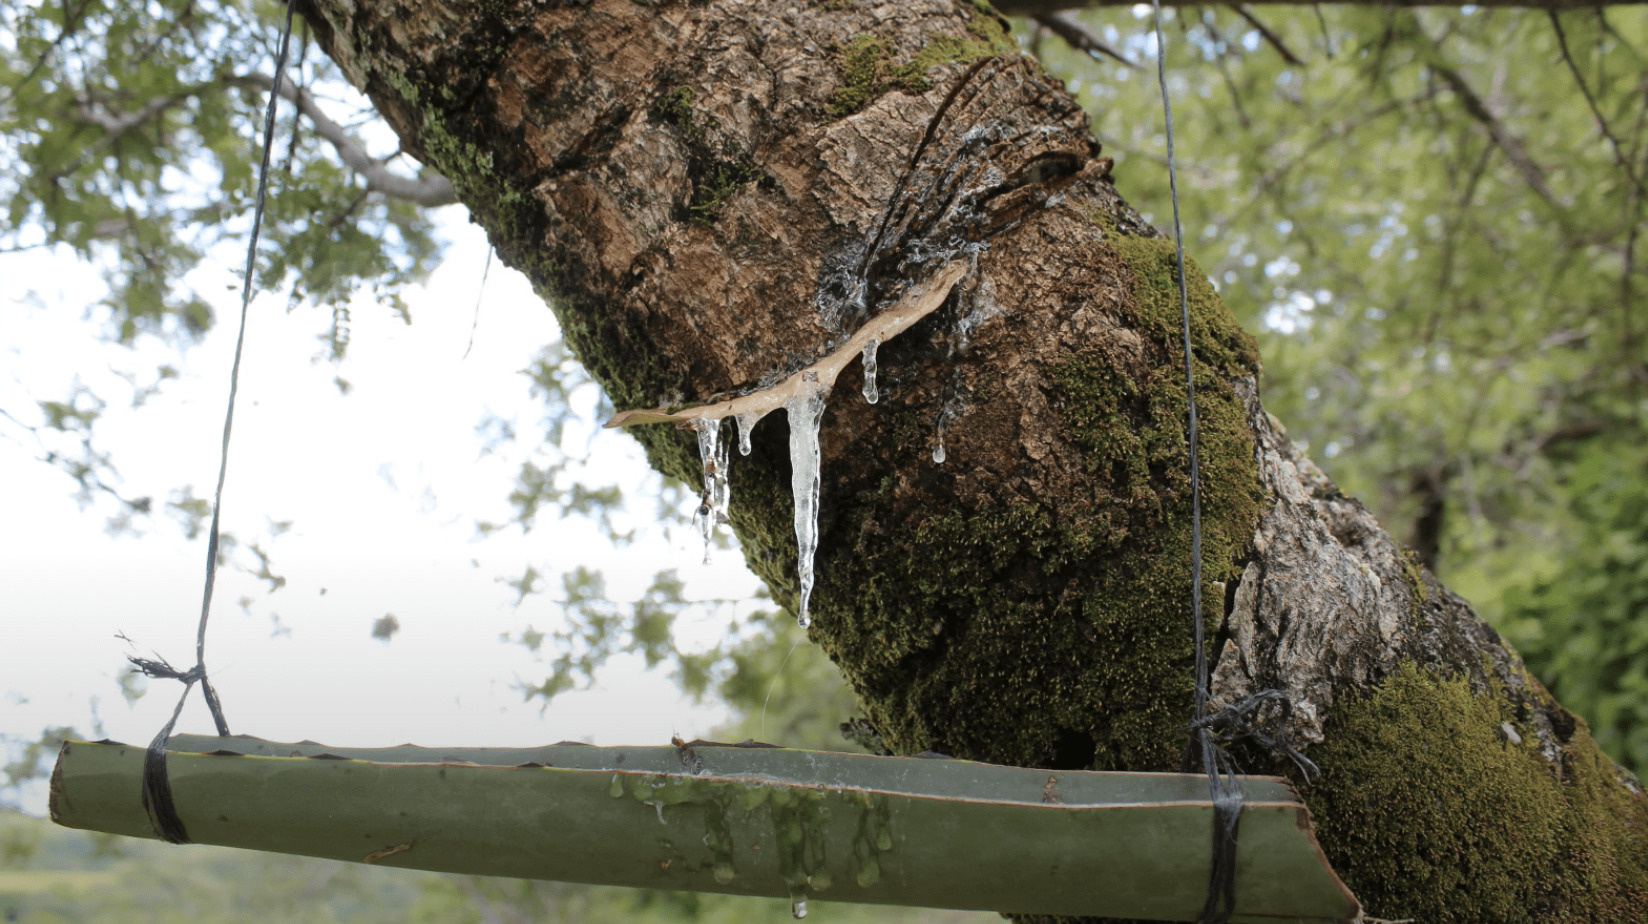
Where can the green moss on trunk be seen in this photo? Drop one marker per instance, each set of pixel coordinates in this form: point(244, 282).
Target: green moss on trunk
point(869, 67)
point(931, 608)
point(1429, 809)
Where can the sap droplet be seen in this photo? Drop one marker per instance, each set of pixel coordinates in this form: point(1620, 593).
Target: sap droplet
point(746, 423)
point(616, 790)
point(871, 394)
point(884, 839)
point(717, 496)
point(939, 454)
point(869, 871)
point(805, 410)
point(798, 908)
point(724, 871)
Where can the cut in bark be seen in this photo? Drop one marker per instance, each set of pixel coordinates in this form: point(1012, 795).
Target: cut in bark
point(916, 304)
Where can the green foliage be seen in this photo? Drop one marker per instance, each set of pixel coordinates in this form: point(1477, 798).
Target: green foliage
point(717, 182)
point(595, 628)
point(133, 134)
point(33, 761)
point(675, 107)
point(784, 688)
point(1583, 627)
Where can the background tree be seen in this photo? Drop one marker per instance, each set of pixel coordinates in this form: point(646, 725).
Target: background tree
point(1447, 175)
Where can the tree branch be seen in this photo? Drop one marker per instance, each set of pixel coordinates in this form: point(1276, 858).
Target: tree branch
point(1269, 36)
point(427, 189)
point(1620, 157)
point(1081, 38)
point(1477, 108)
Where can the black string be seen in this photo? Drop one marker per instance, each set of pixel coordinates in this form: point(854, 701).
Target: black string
point(1223, 787)
point(1240, 721)
point(157, 786)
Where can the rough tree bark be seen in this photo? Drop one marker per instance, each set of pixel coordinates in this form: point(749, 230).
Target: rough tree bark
point(1048, 7)
point(714, 194)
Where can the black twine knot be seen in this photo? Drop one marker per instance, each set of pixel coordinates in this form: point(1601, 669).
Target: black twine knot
point(157, 784)
point(1241, 721)
point(1210, 735)
point(161, 669)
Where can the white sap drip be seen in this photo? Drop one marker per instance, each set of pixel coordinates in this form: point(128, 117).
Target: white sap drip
point(746, 423)
point(717, 497)
point(871, 394)
point(798, 908)
point(938, 452)
point(805, 410)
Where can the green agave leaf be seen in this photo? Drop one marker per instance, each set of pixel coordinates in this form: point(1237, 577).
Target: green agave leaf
point(741, 819)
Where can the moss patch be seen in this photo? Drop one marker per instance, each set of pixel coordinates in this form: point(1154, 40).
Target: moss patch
point(945, 608)
point(675, 108)
point(930, 608)
point(1414, 571)
point(1429, 810)
point(717, 170)
point(1218, 339)
point(869, 67)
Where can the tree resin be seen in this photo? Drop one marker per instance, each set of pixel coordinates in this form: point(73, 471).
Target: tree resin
point(717, 496)
point(805, 411)
point(746, 423)
point(871, 394)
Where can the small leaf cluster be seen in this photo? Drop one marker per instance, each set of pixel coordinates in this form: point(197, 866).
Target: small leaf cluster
point(1583, 626)
point(133, 135)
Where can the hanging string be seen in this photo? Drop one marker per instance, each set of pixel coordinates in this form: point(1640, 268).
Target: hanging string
point(1223, 787)
point(476, 322)
point(157, 787)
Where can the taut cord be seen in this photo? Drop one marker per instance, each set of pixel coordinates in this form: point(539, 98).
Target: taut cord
point(157, 787)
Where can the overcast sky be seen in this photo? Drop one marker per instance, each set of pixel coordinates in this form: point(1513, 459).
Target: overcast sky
point(382, 487)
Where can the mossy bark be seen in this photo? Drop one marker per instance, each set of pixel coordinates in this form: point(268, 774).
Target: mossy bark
point(712, 195)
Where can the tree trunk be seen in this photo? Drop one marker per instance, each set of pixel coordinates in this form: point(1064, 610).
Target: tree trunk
point(714, 195)
point(1049, 7)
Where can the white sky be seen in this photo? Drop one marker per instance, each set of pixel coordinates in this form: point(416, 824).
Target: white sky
point(383, 487)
